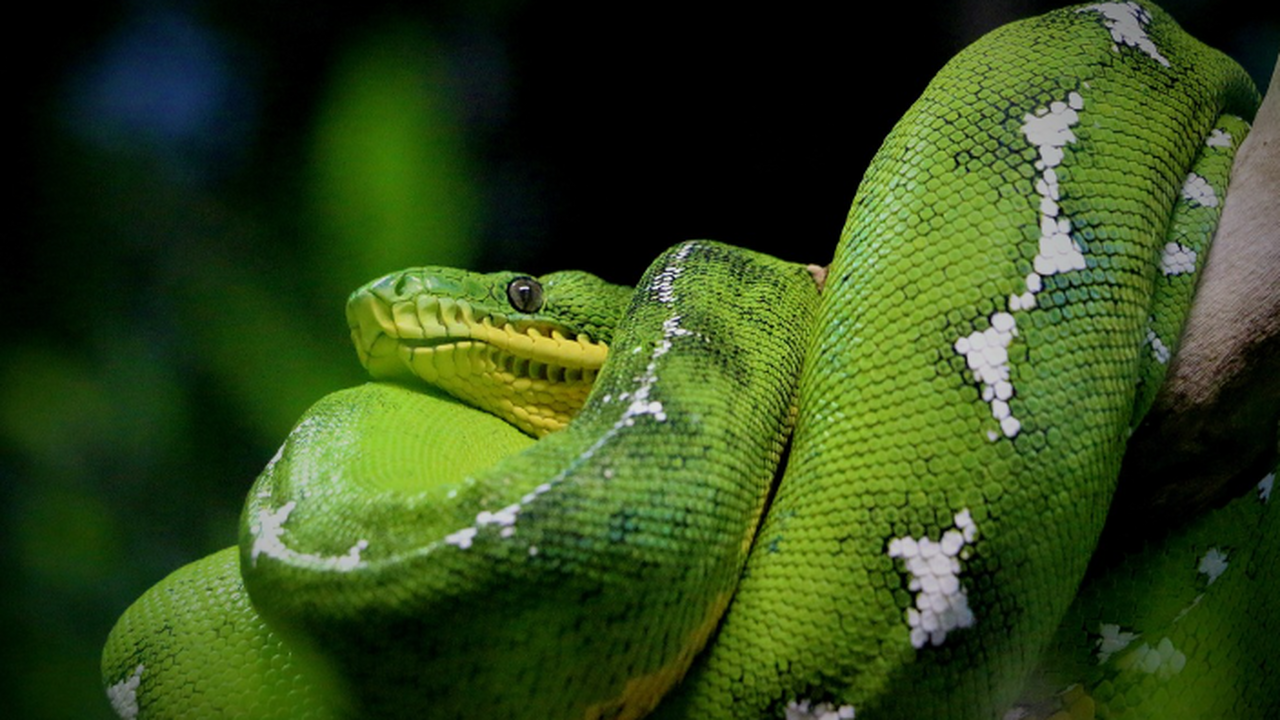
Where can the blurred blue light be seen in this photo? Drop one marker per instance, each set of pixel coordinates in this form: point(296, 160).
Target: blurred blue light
point(164, 85)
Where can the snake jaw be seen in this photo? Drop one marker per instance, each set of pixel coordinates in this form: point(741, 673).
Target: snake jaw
point(531, 373)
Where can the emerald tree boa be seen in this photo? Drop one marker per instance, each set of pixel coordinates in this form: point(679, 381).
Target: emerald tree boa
point(1006, 295)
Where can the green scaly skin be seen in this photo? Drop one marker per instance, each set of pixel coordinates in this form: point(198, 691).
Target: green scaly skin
point(596, 562)
point(911, 438)
point(203, 647)
point(974, 373)
point(194, 646)
point(1185, 627)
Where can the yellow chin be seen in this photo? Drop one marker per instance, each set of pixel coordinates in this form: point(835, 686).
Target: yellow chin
point(534, 378)
point(536, 397)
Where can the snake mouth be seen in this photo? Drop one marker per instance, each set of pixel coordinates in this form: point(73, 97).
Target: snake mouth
point(532, 373)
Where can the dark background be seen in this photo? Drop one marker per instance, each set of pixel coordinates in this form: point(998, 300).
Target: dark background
point(200, 184)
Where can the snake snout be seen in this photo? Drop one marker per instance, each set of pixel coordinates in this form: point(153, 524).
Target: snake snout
point(374, 334)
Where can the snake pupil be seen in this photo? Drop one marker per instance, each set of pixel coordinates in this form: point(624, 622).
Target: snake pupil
point(525, 294)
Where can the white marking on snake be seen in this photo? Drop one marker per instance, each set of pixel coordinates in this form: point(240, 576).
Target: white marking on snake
point(664, 281)
point(1213, 564)
point(1112, 641)
point(807, 710)
point(1264, 487)
point(986, 353)
point(268, 532)
point(1198, 190)
point(1164, 660)
point(942, 604)
point(462, 538)
point(1048, 129)
point(124, 695)
point(529, 496)
point(1127, 24)
point(641, 404)
point(1177, 259)
point(1218, 138)
point(504, 517)
point(1159, 350)
point(1191, 606)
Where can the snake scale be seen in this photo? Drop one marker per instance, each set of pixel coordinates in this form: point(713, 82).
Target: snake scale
point(1007, 290)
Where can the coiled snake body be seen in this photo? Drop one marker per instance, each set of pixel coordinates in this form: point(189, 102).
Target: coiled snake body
point(1010, 282)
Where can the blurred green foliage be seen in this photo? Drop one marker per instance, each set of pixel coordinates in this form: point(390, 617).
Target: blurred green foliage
point(200, 185)
point(389, 166)
point(179, 333)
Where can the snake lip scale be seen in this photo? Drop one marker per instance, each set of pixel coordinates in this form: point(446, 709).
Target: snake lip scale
point(509, 359)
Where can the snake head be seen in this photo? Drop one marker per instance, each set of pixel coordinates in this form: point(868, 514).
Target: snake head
point(524, 348)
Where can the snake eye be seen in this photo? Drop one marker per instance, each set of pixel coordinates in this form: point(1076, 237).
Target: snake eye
point(525, 294)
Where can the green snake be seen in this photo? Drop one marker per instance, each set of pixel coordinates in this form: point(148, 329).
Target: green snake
point(1008, 287)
